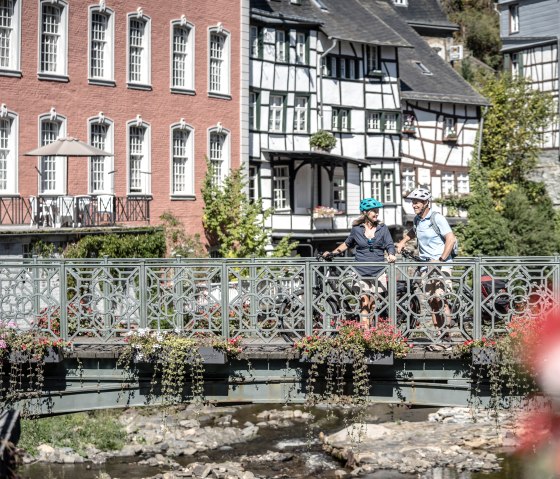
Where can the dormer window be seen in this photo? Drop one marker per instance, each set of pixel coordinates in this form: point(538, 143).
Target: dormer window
point(400, 3)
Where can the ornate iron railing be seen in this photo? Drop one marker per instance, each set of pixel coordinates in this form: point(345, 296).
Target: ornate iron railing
point(268, 300)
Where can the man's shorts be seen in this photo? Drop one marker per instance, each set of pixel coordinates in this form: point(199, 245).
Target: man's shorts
point(435, 280)
point(370, 285)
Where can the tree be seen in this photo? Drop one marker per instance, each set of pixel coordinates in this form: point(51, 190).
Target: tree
point(512, 133)
point(234, 225)
point(178, 242)
point(487, 232)
point(531, 225)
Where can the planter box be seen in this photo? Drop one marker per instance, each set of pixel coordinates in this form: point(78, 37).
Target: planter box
point(484, 356)
point(450, 138)
point(385, 358)
point(323, 223)
point(409, 130)
point(52, 355)
point(208, 354)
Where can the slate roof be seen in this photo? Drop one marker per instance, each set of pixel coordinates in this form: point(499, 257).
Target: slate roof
point(444, 84)
point(342, 19)
point(425, 13)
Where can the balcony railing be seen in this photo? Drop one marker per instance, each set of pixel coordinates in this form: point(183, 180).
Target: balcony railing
point(82, 211)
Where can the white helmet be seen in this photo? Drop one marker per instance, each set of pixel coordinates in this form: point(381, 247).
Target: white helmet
point(422, 194)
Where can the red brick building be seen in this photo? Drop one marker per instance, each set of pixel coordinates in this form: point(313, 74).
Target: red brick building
point(155, 83)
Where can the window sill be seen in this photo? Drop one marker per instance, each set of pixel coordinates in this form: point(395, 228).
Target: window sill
point(10, 73)
point(183, 198)
point(53, 77)
point(140, 196)
point(139, 86)
point(101, 82)
point(182, 91)
point(219, 96)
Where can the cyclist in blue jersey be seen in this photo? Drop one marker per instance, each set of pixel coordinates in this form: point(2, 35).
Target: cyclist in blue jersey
point(372, 240)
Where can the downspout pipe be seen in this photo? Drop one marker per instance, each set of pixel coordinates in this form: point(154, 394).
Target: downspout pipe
point(320, 67)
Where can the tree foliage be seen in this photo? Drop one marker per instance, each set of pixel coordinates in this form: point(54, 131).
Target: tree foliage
point(178, 242)
point(511, 136)
point(234, 225)
point(150, 244)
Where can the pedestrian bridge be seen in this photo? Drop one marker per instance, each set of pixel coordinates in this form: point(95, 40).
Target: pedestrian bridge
point(271, 303)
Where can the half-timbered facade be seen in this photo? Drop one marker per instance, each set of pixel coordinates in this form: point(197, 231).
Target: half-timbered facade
point(530, 33)
point(441, 115)
point(323, 65)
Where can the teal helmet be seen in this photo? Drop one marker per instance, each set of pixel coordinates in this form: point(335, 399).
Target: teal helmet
point(369, 203)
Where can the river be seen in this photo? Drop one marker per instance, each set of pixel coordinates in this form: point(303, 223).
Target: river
point(304, 457)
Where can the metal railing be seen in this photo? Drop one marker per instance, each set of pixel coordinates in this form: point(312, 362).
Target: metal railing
point(73, 211)
point(100, 300)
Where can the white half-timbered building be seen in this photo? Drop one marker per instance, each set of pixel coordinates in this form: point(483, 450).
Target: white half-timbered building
point(441, 111)
point(401, 115)
point(530, 33)
point(323, 65)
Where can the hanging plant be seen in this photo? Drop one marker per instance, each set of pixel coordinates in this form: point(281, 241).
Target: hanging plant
point(175, 358)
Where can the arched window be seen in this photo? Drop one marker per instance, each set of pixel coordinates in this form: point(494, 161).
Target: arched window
point(219, 153)
point(101, 170)
point(8, 152)
point(139, 44)
point(10, 39)
point(139, 157)
point(218, 61)
point(52, 169)
point(182, 160)
point(53, 31)
point(182, 56)
point(101, 44)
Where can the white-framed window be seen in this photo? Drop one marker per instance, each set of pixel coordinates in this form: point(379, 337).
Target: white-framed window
point(301, 109)
point(139, 46)
point(373, 65)
point(340, 119)
point(256, 42)
point(219, 154)
point(281, 46)
point(449, 127)
point(10, 28)
point(182, 55)
point(515, 65)
point(139, 157)
point(408, 179)
point(276, 113)
point(253, 183)
point(218, 62)
point(8, 153)
point(52, 169)
point(182, 160)
point(383, 185)
point(374, 119)
point(423, 68)
point(101, 44)
point(301, 48)
point(339, 189)
point(447, 183)
point(463, 184)
point(101, 170)
point(254, 107)
point(281, 188)
point(391, 122)
point(400, 3)
point(53, 31)
point(514, 18)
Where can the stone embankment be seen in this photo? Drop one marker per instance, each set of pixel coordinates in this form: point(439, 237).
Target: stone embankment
point(452, 437)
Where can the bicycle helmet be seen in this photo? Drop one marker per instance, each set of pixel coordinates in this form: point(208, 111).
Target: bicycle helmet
point(420, 194)
point(369, 203)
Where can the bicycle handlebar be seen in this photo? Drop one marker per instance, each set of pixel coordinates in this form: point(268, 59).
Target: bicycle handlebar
point(410, 255)
point(329, 257)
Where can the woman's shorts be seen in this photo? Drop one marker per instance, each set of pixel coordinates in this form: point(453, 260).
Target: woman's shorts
point(370, 285)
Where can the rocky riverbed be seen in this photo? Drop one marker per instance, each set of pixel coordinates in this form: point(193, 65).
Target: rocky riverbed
point(236, 443)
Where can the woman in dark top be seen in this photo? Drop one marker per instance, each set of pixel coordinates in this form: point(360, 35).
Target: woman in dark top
point(372, 239)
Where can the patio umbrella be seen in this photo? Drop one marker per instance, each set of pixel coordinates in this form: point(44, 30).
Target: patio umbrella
point(67, 147)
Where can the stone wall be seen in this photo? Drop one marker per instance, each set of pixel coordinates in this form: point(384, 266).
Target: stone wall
point(548, 171)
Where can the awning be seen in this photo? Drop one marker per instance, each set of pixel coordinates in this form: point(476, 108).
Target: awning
point(314, 157)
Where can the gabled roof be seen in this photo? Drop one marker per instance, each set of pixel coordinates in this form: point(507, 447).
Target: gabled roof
point(425, 13)
point(345, 20)
point(444, 84)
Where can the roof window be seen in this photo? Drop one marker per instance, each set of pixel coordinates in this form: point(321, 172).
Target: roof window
point(423, 68)
point(400, 3)
point(321, 5)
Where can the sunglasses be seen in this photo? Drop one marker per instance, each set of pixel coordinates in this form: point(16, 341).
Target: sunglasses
point(370, 244)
